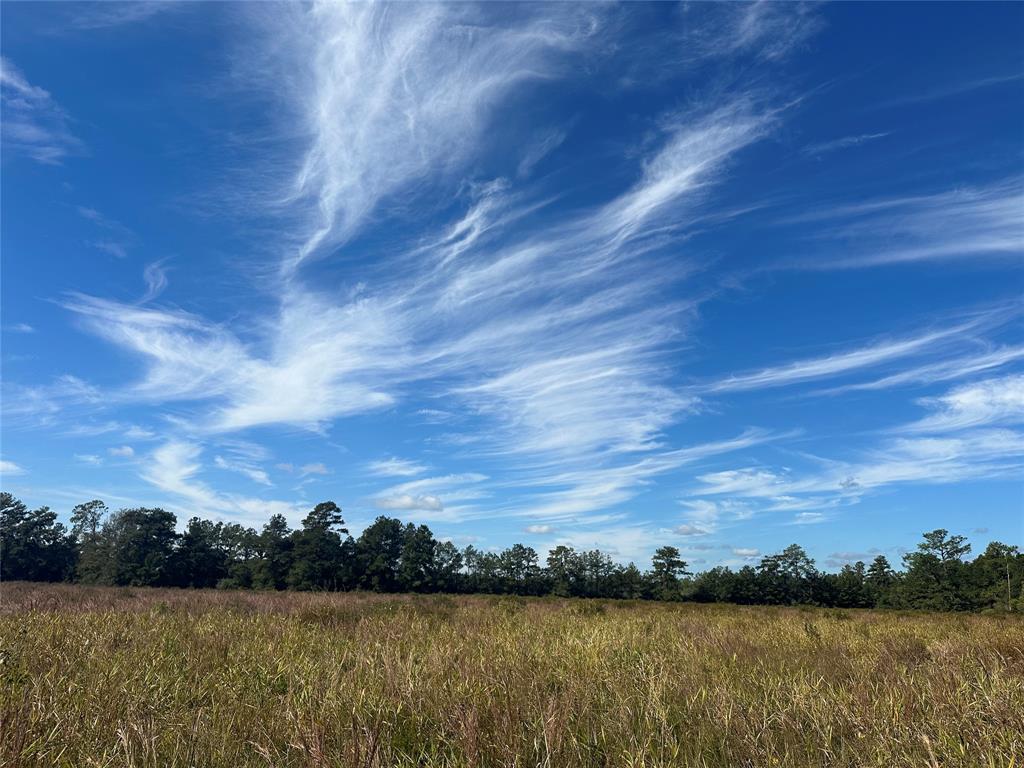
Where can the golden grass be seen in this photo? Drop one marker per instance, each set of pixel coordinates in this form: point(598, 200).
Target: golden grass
point(116, 677)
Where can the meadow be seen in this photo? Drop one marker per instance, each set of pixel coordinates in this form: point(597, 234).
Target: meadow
point(102, 676)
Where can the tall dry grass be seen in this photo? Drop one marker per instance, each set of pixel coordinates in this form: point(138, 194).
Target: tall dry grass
point(116, 677)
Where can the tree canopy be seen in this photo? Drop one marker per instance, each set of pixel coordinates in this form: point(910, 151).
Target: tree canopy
point(142, 547)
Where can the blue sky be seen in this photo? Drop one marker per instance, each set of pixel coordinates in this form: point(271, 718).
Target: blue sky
point(720, 276)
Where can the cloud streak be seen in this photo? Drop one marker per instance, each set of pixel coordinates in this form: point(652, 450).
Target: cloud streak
point(34, 124)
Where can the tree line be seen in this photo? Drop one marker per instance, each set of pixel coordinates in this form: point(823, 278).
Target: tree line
point(142, 547)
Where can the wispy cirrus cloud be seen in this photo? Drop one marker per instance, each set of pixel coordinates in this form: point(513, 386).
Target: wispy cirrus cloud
point(174, 466)
point(10, 469)
point(555, 340)
point(981, 222)
point(952, 89)
point(387, 98)
point(255, 474)
point(955, 367)
point(845, 142)
point(114, 238)
point(554, 336)
point(997, 401)
point(155, 277)
point(868, 356)
point(968, 436)
point(34, 124)
point(395, 467)
point(92, 16)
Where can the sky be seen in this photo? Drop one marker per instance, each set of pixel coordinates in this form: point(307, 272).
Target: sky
point(719, 276)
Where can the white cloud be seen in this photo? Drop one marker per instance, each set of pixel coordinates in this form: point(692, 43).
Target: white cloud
point(870, 355)
point(10, 469)
point(951, 367)
point(966, 223)
point(822, 148)
point(135, 432)
point(173, 468)
point(124, 451)
point(316, 468)
point(406, 501)
point(539, 529)
point(255, 474)
point(689, 530)
point(808, 518)
point(389, 98)
point(155, 277)
point(993, 401)
point(746, 552)
point(19, 328)
point(554, 343)
point(394, 467)
point(89, 458)
point(99, 16)
point(34, 124)
point(566, 360)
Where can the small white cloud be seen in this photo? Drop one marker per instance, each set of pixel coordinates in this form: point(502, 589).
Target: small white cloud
point(993, 401)
point(9, 468)
point(34, 124)
point(747, 552)
point(111, 247)
point(255, 474)
point(816, 150)
point(689, 530)
point(138, 433)
point(124, 451)
point(539, 529)
point(19, 328)
point(408, 501)
point(394, 467)
point(850, 556)
point(89, 458)
point(808, 518)
point(313, 469)
point(155, 277)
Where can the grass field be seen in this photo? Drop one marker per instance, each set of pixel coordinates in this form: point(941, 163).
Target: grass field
point(119, 677)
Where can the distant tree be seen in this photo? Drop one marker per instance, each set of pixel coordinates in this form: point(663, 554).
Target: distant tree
point(627, 583)
point(519, 569)
point(564, 571)
point(240, 547)
point(851, 588)
point(33, 545)
point(996, 576)
point(595, 574)
point(199, 560)
point(483, 571)
point(86, 522)
point(788, 577)
point(86, 519)
point(715, 585)
point(880, 580)
point(447, 567)
point(667, 569)
point(748, 587)
point(936, 577)
point(274, 555)
point(317, 553)
point(416, 571)
point(379, 551)
point(136, 547)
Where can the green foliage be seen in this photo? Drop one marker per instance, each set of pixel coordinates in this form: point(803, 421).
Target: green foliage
point(139, 547)
point(33, 545)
